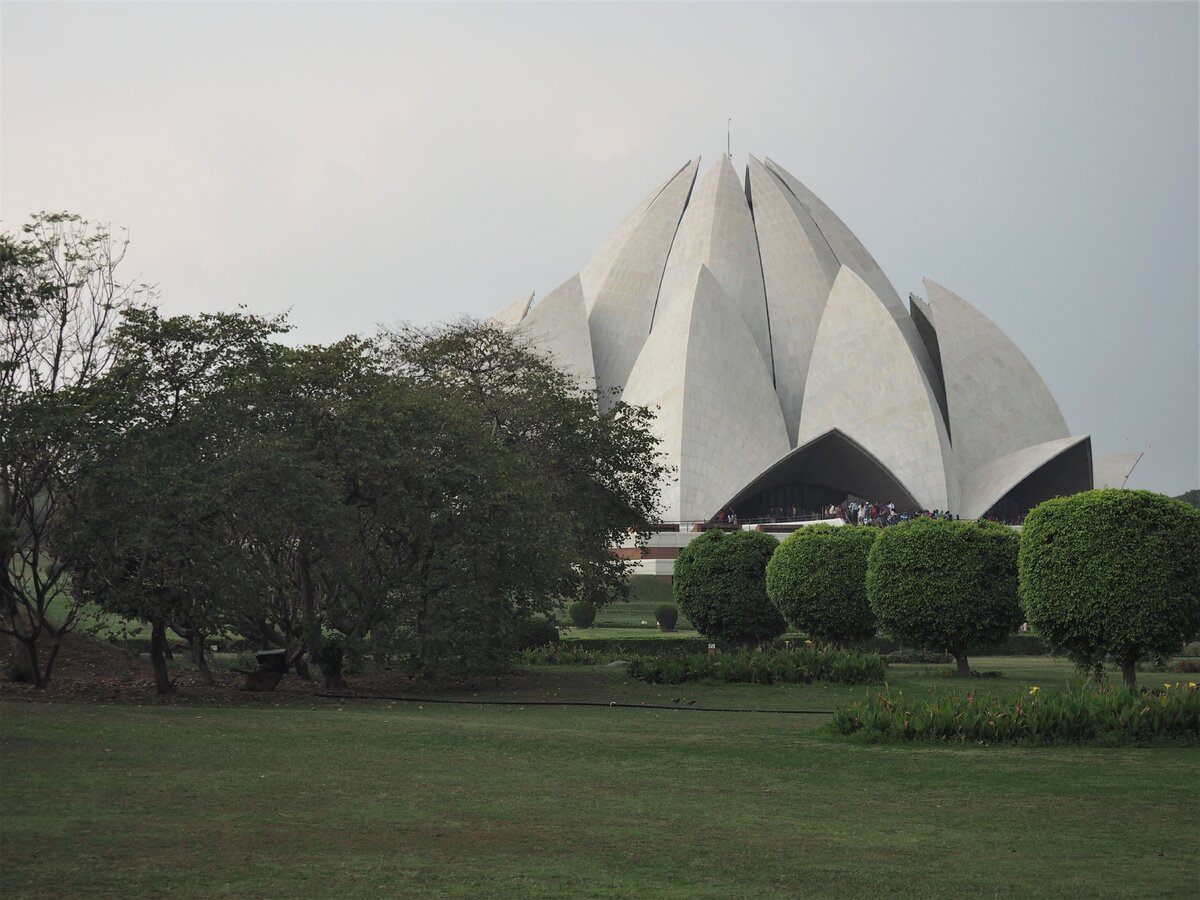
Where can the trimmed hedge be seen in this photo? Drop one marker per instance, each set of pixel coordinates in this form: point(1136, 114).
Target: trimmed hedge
point(940, 585)
point(818, 579)
point(1112, 573)
point(536, 633)
point(666, 616)
point(623, 648)
point(582, 614)
point(1077, 715)
point(790, 666)
point(720, 584)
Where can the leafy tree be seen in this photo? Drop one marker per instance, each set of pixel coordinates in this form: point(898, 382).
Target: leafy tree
point(720, 584)
point(1112, 573)
point(147, 534)
point(1192, 497)
point(941, 585)
point(60, 298)
point(569, 480)
point(427, 496)
point(818, 579)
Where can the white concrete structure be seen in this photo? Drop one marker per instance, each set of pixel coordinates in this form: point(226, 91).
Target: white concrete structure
point(1113, 471)
point(787, 372)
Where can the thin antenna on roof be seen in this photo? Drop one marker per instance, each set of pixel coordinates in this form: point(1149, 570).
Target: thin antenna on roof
point(729, 138)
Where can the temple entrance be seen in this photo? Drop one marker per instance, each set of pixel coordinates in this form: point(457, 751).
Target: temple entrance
point(826, 470)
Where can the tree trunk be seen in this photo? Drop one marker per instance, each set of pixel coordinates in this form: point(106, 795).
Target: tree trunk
point(24, 662)
point(964, 667)
point(1129, 672)
point(158, 656)
point(308, 597)
point(200, 659)
point(54, 648)
point(300, 664)
point(24, 658)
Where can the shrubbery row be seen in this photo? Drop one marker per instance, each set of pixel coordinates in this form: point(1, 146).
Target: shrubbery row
point(1102, 574)
point(800, 665)
point(1076, 715)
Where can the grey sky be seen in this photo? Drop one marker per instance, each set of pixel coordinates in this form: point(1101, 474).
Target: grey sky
point(369, 163)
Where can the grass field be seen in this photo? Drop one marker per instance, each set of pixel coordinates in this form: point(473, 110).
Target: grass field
point(646, 594)
point(323, 798)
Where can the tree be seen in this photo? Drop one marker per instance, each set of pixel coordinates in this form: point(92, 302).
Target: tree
point(567, 480)
point(817, 578)
point(147, 532)
point(943, 585)
point(327, 499)
point(1112, 573)
point(720, 584)
point(60, 298)
point(1191, 498)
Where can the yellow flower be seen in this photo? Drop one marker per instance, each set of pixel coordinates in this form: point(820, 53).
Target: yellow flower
point(808, 643)
point(1034, 689)
point(1167, 686)
point(1191, 685)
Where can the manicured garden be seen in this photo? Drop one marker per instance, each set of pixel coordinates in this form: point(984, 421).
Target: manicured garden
point(290, 795)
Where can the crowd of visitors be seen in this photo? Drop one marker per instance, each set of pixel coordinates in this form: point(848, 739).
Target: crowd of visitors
point(879, 515)
point(850, 511)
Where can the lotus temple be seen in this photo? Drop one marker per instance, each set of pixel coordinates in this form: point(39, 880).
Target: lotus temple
point(788, 373)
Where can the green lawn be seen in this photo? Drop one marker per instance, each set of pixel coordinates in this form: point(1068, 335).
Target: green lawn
point(372, 798)
point(646, 594)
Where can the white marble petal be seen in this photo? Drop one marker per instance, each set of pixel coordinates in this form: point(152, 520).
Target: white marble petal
point(848, 249)
point(558, 324)
point(1113, 471)
point(984, 486)
point(593, 274)
point(864, 381)
point(512, 314)
point(718, 232)
point(998, 403)
point(799, 269)
point(850, 252)
point(622, 305)
point(718, 420)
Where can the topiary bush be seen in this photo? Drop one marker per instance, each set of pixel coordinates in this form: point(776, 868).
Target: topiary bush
point(817, 578)
point(532, 633)
point(666, 616)
point(720, 584)
point(1112, 573)
point(582, 613)
point(939, 585)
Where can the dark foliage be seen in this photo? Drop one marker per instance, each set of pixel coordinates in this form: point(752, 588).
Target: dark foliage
point(582, 613)
point(818, 579)
point(1112, 573)
point(938, 585)
point(720, 584)
point(666, 616)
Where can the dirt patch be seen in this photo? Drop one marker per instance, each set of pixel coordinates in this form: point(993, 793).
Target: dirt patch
point(92, 671)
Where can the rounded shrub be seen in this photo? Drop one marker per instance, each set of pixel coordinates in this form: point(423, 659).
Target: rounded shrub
point(1112, 573)
point(720, 584)
point(666, 616)
point(582, 613)
point(939, 585)
point(532, 633)
point(818, 579)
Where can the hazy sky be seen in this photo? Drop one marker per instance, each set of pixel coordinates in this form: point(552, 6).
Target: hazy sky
point(363, 164)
